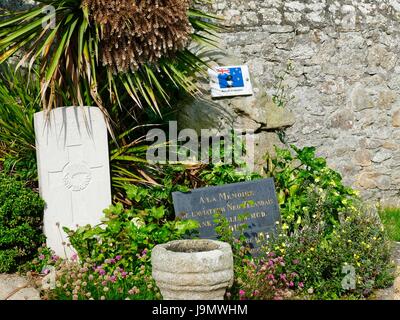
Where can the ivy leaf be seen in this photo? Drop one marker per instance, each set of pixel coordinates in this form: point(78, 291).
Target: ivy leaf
point(157, 213)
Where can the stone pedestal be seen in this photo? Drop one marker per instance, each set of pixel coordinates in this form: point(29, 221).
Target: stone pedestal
point(193, 269)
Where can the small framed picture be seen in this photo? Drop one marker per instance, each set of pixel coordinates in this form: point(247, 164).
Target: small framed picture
point(230, 81)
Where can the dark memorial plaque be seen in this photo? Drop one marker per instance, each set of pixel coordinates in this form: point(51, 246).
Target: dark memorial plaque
point(255, 200)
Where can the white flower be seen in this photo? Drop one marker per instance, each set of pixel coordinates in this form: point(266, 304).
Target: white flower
point(138, 222)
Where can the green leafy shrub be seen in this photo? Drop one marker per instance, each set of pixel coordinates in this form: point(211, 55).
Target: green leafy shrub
point(308, 189)
point(357, 246)
point(350, 261)
point(21, 212)
point(171, 178)
point(128, 232)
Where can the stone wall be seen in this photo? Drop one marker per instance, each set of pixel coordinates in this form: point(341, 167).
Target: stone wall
point(16, 4)
point(345, 81)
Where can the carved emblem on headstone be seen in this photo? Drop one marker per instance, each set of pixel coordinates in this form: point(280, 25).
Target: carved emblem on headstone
point(77, 176)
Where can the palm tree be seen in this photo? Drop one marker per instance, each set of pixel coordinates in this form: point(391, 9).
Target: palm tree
point(126, 53)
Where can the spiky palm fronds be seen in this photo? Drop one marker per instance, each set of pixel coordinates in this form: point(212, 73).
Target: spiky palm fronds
point(19, 100)
point(79, 54)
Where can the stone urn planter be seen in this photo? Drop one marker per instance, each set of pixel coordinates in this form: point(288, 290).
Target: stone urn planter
point(193, 269)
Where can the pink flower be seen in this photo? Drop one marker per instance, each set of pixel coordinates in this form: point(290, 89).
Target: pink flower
point(55, 258)
point(102, 272)
point(113, 279)
point(242, 293)
point(104, 283)
point(301, 285)
point(270, 263)
point(296, 261)
point(74, 257)
point(270, 277)
point(282, 276)
point(134, 291)
point(118, 257)
point(291, 284)
point(124, 274)
point(41, 257)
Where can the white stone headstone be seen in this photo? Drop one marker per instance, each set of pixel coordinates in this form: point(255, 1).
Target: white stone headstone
point(74, 173)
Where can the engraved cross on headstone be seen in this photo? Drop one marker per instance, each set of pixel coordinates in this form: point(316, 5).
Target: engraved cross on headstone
point(73, 165)
point(76, 175)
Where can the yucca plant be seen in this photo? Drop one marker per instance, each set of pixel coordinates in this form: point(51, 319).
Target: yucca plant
point(19, 100)
point(128, 160)
point(109, 52)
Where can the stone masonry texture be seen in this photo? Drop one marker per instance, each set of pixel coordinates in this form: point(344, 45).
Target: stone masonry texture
point(345, 81)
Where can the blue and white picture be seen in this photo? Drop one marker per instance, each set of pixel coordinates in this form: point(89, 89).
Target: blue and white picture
point(230, 78)
point(228, 81)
